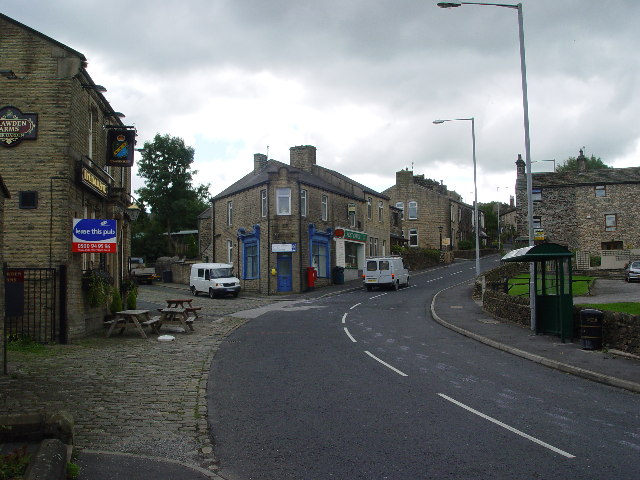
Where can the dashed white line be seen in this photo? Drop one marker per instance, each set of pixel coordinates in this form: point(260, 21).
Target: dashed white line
point(349, 335)
point(381, 295)
point(355, 305)
point(511, 429)
point(385, 363)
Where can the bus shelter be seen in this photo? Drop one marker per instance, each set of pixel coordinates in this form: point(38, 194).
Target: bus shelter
point(553, 290)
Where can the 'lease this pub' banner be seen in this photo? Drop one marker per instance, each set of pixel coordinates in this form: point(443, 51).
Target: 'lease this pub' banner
point(92, 235)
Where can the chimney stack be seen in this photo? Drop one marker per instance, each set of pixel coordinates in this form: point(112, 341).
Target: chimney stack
point(582, 162)
point(303, 157)
point(259, 162)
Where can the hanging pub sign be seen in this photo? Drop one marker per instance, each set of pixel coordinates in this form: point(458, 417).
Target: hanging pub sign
point(94, 235)
point(16, 126)
point(120, 144)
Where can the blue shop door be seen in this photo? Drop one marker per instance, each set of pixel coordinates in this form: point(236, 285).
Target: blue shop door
point(285, 280)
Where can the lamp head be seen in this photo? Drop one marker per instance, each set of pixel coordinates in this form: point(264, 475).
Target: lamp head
point(449, 4)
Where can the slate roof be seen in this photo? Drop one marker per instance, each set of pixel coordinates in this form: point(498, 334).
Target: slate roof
point(600, 176)
point(254, 179)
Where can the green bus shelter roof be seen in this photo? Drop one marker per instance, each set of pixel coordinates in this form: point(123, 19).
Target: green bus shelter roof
point(537, 253)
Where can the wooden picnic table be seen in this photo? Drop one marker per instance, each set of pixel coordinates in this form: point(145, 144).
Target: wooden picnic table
point(128, 318)
point(179, 302)
point(175, 314)
point(184, 303)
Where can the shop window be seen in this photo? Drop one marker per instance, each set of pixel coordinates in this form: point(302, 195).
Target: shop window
point(320, 258)
point(251, 259)
point(351, 254)
point(28, 199)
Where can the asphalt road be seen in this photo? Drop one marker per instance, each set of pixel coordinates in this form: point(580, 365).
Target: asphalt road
point(365, 385)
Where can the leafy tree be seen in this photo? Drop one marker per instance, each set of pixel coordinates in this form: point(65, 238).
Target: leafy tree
point(571, 164)
point(173, 201)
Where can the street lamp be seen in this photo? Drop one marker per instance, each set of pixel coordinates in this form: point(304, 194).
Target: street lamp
point(527, 146)
point(440, 230)
point(475, 186)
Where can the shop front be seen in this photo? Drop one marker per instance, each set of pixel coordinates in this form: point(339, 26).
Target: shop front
point(350, 252)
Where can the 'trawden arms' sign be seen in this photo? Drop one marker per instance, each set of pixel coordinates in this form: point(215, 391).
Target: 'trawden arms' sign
point(16, 126)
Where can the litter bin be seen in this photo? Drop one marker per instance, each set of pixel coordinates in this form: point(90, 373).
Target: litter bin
point(167, 276)
point(591, 329)
point(338, 275)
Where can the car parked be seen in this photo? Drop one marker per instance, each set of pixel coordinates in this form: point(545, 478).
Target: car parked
point(632, 271)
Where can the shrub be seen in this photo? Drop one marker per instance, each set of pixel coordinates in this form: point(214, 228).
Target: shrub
point(116, 301)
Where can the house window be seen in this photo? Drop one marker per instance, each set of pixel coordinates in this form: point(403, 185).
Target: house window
point(319, 258)
point(303, 203)
point(325, 208)
point(372, 252)
point(229, 213)
point(375, 246)
point(380, 210)
point(601, 191)
point(263, 203)
point(384, 248)
point(369, 208)
point(610, 222)
point(229, 251)
point(251, 259)
point(283, 201)
point(413, 210)
point(28, 199)
point(413, 237)
point(351, 213)
point(400, 205)
point(536, 194)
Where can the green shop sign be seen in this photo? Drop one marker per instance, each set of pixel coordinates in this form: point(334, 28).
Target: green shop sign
point(355, 236)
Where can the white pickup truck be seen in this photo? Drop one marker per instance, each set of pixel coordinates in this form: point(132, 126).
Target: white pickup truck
point(139, 273)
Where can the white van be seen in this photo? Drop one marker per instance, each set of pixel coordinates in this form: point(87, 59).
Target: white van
point(214, 279)
point(385, 272)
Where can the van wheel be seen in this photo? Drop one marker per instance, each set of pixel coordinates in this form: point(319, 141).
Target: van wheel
point(407, 284)
point(396, 285)
point(194, 292)
point(212, 294)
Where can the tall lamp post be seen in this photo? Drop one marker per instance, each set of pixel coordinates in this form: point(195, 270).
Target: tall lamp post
point(475, 186)
point(527, 143)
point(440, 230)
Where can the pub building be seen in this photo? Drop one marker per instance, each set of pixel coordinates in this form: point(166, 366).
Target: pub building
point(65, 158)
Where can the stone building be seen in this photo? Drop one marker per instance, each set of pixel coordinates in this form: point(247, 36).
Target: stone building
point(280, 219)
point(589, 211)
point(54, 124)
point(4, 194)
point(432, 216)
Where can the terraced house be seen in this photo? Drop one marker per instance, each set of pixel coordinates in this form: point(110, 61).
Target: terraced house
point(54, 128)
point(593, 212)
point(280, 220)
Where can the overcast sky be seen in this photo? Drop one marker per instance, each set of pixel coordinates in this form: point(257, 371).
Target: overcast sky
point(363, 80)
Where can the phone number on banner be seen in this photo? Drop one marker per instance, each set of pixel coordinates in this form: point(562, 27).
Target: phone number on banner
point(94, 247)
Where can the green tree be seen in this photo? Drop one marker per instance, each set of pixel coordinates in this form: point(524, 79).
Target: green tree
point(571, 164)
point(174, 203)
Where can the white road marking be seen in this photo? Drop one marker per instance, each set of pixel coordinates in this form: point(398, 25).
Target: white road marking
point(355, 305)
point(349, 335)
point(344, 318)
point(381, 295)
point(385, 364)
point(511, 429)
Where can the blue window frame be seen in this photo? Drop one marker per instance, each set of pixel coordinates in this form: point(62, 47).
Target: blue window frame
point(250, 252)
point(320, 250)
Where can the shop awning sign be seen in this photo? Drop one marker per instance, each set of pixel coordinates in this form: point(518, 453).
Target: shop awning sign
point(355, 236)
point(93, 235)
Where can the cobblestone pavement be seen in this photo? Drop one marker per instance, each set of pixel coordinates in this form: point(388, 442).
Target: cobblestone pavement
point(128, 394)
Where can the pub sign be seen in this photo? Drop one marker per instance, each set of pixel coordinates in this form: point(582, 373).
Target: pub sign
point(120, 144)
point(16, 126)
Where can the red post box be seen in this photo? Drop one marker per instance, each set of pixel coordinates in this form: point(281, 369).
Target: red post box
point(311, 277)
